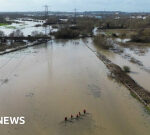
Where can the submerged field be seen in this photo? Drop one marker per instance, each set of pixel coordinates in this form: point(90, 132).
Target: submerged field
point(48, 82)
point(51, 81)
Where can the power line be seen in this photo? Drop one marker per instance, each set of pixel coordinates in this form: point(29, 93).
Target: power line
point(46, 13)
point(75, 15)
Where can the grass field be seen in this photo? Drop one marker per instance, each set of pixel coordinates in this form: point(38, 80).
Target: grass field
point(3, 24)
point(127, 32)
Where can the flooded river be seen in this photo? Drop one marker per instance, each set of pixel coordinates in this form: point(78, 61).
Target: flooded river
point(48, 82)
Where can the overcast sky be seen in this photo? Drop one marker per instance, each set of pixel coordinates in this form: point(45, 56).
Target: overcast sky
point(81, 5)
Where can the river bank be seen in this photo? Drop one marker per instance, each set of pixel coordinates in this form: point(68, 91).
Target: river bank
point(20, 47)
point(118, 74)
point(134, 52)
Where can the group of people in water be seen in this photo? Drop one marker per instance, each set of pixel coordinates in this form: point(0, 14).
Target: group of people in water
point(76, 117)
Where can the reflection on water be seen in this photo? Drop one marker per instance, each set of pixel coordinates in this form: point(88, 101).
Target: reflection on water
point(52, 81)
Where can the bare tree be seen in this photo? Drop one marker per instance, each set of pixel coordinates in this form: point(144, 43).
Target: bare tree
point(37, 34)
point(2, 34)
point(16, 33)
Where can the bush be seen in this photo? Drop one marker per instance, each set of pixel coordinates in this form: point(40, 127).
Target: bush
point(102, 41)
point(55, 26)
point(143, 35)
point(2, 34)
point(140, 38)
point(16, 33)
point(123, 35)
point(37, 34)
point(52, 20)
point(86, 25)
point(66, 33)
point(114, 35)
point(38, 25)
point(126, 69)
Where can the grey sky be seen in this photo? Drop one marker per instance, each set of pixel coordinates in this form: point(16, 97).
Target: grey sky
point(81, 5)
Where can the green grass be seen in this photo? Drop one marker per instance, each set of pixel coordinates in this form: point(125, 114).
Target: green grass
point(108, 33)
point(10, 27)
point(7, 26)
point(135, 96)
point(146, 108)
point(3, 24)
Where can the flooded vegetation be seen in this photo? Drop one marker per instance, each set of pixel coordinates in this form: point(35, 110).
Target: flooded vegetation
point(26, 26)
point(75, 75)
point(62, 78)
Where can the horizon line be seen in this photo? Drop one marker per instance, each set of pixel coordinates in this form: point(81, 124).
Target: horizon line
point(78, 11)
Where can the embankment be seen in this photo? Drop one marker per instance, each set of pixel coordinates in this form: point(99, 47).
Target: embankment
point(22, 47)
point(116, 71)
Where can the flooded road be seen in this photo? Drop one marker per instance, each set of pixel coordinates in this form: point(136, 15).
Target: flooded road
point(51, 81)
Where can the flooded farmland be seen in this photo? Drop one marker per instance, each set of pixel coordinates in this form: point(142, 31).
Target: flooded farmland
point(49, 82)
point(137, 73)
point(27, 26)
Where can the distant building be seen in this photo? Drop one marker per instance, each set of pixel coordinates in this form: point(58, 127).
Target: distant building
point(138, 17)
point(98, 17)
point(63, 20)
point(117, 18)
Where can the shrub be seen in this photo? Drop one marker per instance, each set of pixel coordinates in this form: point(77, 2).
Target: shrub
point(114, 35)
point(54, 26)
point(123, 35)
point(102, 41)
point(66, 33)
point(2, 34)
point(86, 24)
point(37, 34)
point(16, 33)
point(52, 20)
point(143, 35)
point(126, 69)
point(38, 25)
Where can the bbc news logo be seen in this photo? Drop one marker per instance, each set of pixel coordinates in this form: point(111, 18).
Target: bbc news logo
point(12, 120)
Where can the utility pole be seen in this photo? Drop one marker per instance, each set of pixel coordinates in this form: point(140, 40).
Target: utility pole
point(46, 16)
point(46, 11)
point(75, 15)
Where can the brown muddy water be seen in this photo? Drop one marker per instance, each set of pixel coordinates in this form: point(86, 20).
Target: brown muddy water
point(137, 73)
point(48, 82)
